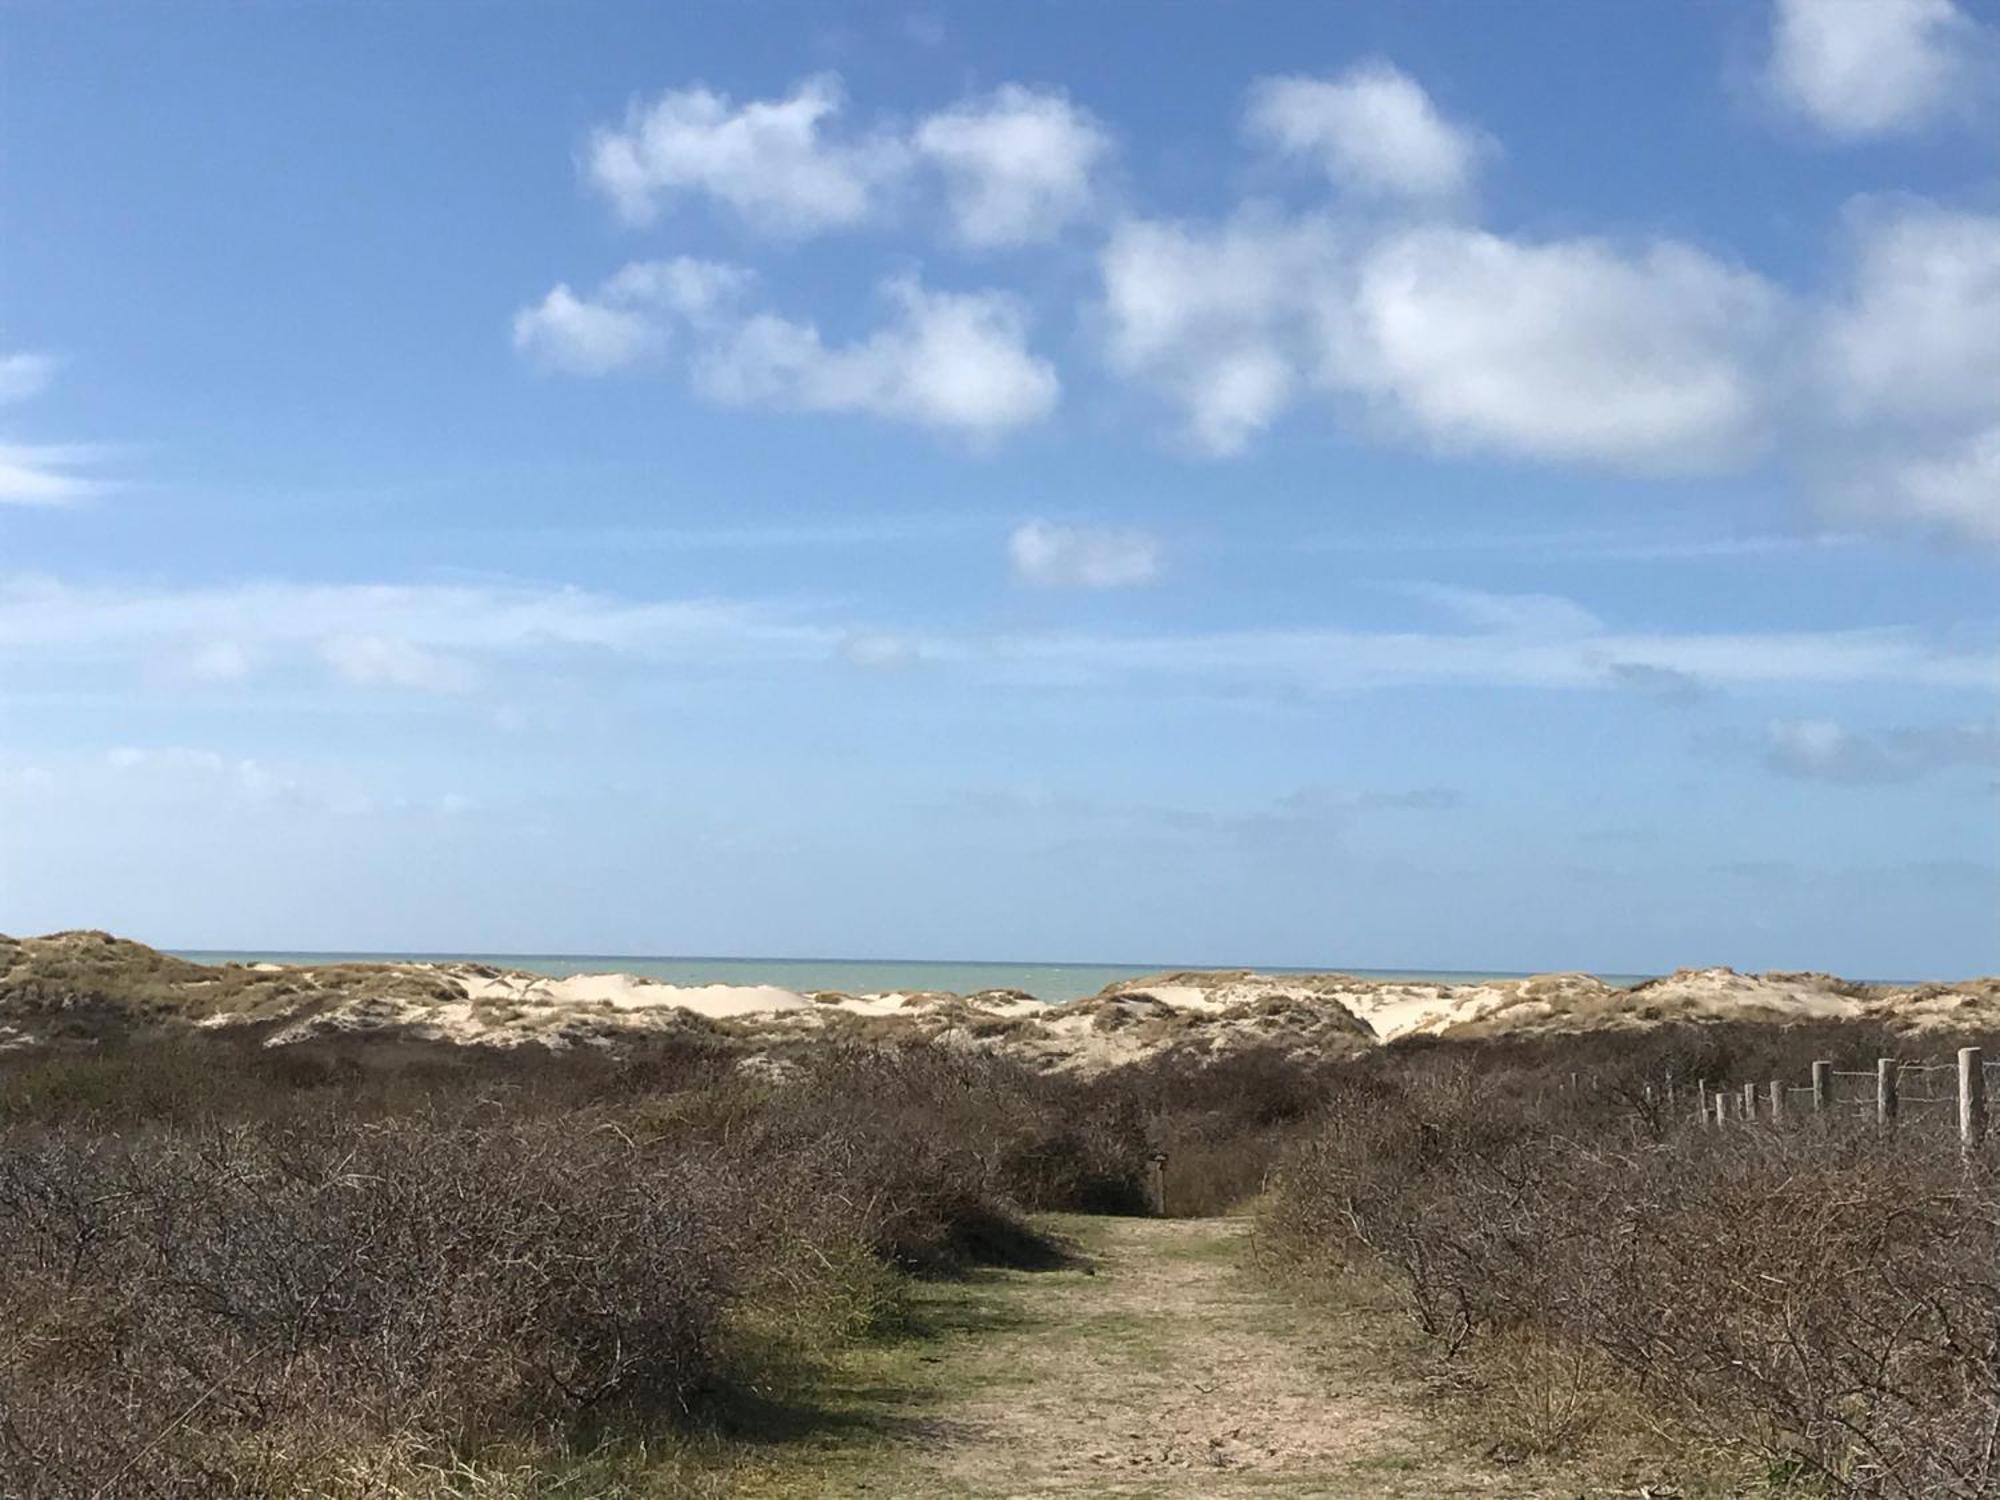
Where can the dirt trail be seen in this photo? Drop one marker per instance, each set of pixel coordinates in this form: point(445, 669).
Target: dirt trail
point(1167, 1369)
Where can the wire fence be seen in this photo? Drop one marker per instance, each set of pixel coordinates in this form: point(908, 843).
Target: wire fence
point(1884, 1095)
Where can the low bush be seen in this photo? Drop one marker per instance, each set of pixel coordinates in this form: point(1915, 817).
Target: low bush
point(230, 1274)
point(1816, 1295)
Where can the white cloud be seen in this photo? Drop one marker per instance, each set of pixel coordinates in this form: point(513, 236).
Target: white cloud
point(1917, 333)
point(564, 332)
point(956, 361)
point(1861, 68)
point(1212, 318)
point(1908, 356)
point(1097, 557)
point(23, 375)
point(385, 661)
point(282, 623)
point(48, 473)
point(774, 162)
point(1017, 164)
point(59, 634)
point(1647, 359)
point(42, 473)
point(1524, 614)
point(628, 321)
point(1373, 129)
point(1957, 489)
point(1566, 350)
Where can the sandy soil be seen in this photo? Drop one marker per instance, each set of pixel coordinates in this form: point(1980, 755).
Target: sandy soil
point(1173, 1370)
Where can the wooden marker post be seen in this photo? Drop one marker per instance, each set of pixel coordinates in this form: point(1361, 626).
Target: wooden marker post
point(1156, 1184)
point(1749, 1103)
point(1971, 1099)
point(1822, 1087)
point(1885, 1091)
point(1777, 1092)
point(1721, 1108)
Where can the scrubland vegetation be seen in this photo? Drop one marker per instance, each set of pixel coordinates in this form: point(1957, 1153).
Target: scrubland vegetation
point(225, 1273)
point(1813, 1305)
point(235, 1271)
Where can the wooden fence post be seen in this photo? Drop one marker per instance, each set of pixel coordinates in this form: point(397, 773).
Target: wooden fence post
point(1822, 1081)
point(1971, 1099)
point(1156, 1184)
point(1721, 1108)
point(1777, 1099)
point(1749, 1103)
point(1885, 1091)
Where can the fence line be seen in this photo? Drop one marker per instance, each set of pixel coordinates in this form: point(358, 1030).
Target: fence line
point(1747, 1103)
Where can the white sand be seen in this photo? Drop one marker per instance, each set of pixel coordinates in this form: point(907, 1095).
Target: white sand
point(628, 992)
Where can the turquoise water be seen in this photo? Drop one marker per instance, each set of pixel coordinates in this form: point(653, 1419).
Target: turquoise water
point(1051, 982)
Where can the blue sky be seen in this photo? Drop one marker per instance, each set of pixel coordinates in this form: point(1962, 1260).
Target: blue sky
point(1397, 485)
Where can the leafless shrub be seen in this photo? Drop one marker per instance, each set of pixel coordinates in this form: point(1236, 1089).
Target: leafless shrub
point(1819, 1295)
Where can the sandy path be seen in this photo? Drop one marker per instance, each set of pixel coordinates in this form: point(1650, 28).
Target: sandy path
point(1171, 1370)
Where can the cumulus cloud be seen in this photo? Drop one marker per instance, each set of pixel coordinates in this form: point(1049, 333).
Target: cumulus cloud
point(952, 361)
point(775, 162)
point(1095, 557)
point(1916, 332)
point(1908, 356)
point(955, 361)
point(1861, 68)
point(564, 332)
point(628, 320)
point(1216, 319)
point(1372, 129)
point(1018, 164)
point(1822, 750)
point(1015, 165)
point(1568, 350)
point(1646, 359)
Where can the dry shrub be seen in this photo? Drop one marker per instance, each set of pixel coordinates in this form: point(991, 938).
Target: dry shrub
point(1223, 1121)
point(219, 1311)
point(1821, 1297)
point(297, 1279)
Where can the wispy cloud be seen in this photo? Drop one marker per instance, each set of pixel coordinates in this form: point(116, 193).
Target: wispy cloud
point(43, 473)
point(438, 634)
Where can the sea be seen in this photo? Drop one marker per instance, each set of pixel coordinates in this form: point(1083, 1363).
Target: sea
point(1051, 982)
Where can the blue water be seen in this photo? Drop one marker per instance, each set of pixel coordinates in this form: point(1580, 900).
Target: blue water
point(1051, 982)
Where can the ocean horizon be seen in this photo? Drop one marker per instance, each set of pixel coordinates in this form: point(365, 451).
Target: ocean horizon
point(1053, 982)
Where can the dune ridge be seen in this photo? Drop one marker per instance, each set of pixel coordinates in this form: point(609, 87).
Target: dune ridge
point(86, 987)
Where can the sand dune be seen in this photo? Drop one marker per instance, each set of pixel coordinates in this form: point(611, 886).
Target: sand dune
point(77, 988)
